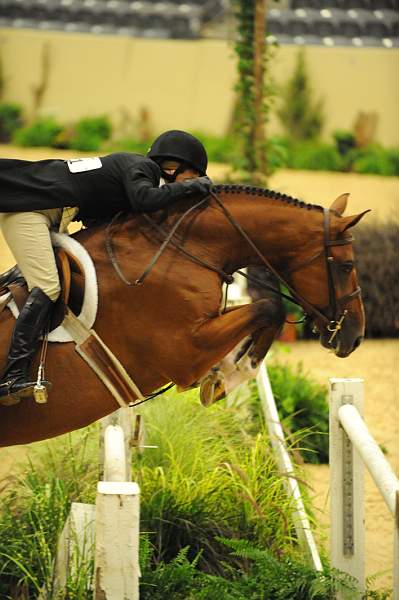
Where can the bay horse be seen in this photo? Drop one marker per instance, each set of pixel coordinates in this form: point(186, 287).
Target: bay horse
point(172, 327)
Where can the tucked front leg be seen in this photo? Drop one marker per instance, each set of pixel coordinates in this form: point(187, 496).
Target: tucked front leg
point(242, 362)
point(215, 338)
point(262, 340)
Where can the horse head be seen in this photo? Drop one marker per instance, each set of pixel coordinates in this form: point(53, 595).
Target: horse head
point(327, 279)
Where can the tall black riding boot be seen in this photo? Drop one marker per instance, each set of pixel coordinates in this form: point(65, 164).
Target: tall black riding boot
point(25, 338)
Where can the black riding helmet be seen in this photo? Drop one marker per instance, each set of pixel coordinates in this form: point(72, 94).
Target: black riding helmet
point(181, 146)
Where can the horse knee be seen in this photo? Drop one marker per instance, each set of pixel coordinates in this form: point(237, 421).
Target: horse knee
point(270, 312)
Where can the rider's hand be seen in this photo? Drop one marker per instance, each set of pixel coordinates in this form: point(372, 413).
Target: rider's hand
point(200, 186)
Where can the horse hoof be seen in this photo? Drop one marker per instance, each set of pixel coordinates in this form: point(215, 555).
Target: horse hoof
point(212, 389)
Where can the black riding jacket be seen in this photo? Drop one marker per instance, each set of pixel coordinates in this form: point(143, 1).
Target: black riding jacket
point(124, 181)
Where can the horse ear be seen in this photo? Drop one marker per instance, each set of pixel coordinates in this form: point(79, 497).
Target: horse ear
point(353, 220)
point(339, 204)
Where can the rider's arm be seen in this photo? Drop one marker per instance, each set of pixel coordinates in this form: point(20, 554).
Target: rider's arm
point(142, 187)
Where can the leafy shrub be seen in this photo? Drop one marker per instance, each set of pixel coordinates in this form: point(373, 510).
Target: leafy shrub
point(98, 126)
point(10, 120)
point(374, 159)
point(264, 576)
point(199, 465)
point(33, 513)
point(283, 152)
point(393, 154)
point(41, 132)
point(377, 258)
point(345, 141)
point(315, 156)
point(85, 142)
point(303, 408)
point(207, 479)
point(343, 156)
point(301, 117)
point(128, 145)
point(279, 151)
point(219, 148)
point(90, 132)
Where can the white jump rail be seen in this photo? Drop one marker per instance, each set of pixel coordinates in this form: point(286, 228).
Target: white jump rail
point(351, 448)
point(301, 521)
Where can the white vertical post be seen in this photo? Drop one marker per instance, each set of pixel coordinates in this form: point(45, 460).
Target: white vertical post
point(117, 541)
point(123, 418)
point(75, 545)
point(346, 485)
point(115, 463)
point(117, 525)
point(301, 521)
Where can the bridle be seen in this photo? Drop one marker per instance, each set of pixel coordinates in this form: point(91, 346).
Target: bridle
point(336, 306)
point(331, 316)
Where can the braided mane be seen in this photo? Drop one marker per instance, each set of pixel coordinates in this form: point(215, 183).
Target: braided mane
point(257, 191)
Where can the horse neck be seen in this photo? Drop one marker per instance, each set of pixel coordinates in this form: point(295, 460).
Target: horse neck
point(278, 229)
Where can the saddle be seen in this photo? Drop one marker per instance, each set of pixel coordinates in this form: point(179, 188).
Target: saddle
point(69, 310)
point(72, 281)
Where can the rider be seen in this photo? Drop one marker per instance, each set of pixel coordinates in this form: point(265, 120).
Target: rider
point(48, 194)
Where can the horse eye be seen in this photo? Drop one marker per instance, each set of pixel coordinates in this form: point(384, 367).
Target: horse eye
point(346, 267)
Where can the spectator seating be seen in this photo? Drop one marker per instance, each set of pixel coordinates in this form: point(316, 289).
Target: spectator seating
point(171, 19)
point(330, 22)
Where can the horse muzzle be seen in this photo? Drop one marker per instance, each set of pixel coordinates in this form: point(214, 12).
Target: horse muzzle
point(342, 351)
point(342, 340)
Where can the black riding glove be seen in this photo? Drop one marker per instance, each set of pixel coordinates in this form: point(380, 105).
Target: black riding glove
point(200, 186)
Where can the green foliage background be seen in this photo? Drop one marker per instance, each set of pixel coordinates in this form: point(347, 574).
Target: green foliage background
point(216, 522)
point(301, 116)
point(95, 134)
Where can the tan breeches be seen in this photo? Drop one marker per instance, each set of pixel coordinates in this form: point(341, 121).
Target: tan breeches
point(28, 237)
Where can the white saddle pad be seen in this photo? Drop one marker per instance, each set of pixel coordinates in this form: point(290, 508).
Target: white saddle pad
point(88, 313)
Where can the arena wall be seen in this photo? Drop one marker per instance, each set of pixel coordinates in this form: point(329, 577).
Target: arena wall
point(185, 84)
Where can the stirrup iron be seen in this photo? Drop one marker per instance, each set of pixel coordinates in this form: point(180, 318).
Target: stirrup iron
point(40, 394)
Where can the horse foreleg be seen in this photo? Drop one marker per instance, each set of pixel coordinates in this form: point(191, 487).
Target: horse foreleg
point(241, 363)
point(218, 336)
point(261, 342)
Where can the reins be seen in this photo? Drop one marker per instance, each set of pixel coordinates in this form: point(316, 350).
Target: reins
point(297, 298)
point(168, 239)
point(333, 324)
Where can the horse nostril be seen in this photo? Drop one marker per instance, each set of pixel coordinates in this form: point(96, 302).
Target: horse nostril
point(358, 341)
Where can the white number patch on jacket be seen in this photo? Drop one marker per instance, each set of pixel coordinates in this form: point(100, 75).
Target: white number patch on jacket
point(78, 165)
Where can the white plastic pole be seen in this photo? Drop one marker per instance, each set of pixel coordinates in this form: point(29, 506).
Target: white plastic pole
point(301, 521)
point(379, 468)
